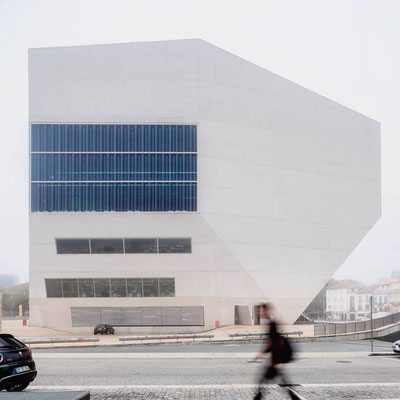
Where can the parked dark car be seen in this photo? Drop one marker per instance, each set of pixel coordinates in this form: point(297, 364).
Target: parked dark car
point(17, 368)
point(104, 329)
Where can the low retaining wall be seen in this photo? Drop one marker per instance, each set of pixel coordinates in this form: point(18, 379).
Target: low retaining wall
point(381, 333)
point(355, 326)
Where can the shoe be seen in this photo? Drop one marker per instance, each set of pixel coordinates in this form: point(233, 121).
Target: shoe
point(258, 396)
point(293, 396)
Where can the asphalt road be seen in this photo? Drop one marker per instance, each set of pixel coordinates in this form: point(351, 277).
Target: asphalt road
point(202, 347)
point(362, 378)
point(81, 372)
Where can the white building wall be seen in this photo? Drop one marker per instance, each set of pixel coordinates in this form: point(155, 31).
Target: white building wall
point(338, 302)
point(289, 181)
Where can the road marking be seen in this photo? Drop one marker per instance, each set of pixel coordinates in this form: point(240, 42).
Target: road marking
point(373, 384)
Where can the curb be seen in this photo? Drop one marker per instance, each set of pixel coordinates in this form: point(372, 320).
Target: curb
point(208, 356)
point(382, 354)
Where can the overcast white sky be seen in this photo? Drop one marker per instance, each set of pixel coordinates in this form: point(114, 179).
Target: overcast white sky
point(347, 50)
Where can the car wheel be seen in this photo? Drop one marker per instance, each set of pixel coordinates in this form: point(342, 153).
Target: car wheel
point(18, 388)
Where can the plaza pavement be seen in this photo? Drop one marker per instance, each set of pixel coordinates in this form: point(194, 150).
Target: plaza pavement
point(237, 392)
point(16, 328)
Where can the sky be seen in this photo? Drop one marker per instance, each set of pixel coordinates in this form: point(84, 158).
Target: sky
point(346, 50)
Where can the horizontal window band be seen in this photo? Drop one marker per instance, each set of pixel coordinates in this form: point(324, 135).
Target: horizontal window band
point(113, 167)
point(109, 287)
point(135, 316)
point(113, 138)
point(114, 152)
point(192, 124)
point(116, 278)
point(102, 182)
point(171, 245)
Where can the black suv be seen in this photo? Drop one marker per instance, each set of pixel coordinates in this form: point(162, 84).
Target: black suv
point(17, 368)
point(104, 329)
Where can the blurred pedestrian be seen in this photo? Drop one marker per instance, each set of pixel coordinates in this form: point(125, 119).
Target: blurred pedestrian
point(280, 351)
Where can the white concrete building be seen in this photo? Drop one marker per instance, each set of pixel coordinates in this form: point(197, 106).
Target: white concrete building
point(381, 295)
point(394, 296)
point(340, 300)
point(349, 301)
point(175, 184)
point(363, 302)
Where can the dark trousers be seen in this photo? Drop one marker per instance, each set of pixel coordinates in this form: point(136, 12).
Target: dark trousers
point(269, 374)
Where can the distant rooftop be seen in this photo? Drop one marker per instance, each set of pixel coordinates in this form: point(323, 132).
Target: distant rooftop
point(366, 289)
point(386, 282)
point(345, 284)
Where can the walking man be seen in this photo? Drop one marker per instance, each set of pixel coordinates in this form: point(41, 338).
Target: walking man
point(280, 352)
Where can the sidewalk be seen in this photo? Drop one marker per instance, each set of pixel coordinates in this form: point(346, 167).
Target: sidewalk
point(358, 391)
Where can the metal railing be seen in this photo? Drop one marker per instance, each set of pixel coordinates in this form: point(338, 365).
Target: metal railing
point(263, 334)
point(355, 326)
point(193, 336)
point(52, 341)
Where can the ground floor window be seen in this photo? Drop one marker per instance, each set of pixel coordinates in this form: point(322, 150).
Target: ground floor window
point(138, 316)
point(110, 287)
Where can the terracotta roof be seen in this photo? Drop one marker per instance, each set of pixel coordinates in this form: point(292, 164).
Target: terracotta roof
point(345, 284)
point(386, 282)
point(366, 289)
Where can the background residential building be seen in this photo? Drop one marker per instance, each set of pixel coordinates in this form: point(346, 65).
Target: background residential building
point(394, 296)
point(381, 294)
point(362, 301)
point(339, 302)
point(348, 300)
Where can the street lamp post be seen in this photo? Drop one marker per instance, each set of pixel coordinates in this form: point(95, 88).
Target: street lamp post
point(372, 328)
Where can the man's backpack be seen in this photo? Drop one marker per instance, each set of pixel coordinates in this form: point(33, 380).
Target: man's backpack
point(286, 352)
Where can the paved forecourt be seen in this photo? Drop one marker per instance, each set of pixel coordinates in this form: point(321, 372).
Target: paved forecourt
point(238, 392)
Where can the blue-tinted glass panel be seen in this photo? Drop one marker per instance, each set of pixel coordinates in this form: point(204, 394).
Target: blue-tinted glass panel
point(89, 138)
point(169, 165)
point(114, 167)
point(53, 197)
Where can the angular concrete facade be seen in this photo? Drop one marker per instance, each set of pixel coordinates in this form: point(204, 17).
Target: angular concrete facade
point(288, 181)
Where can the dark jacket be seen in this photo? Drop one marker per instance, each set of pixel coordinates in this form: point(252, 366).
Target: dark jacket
point(275, 344)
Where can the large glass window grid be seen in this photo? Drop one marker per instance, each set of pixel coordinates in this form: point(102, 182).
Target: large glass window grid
point(110, 287)
point(124, 245)
point(113, 167)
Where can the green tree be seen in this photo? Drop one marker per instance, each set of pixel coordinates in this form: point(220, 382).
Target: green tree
point(12, 299)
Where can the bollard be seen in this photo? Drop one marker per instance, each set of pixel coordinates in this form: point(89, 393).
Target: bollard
point(216, 324)
point(24, 322)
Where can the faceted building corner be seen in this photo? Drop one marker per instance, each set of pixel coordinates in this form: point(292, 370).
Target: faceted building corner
point(174, 186)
